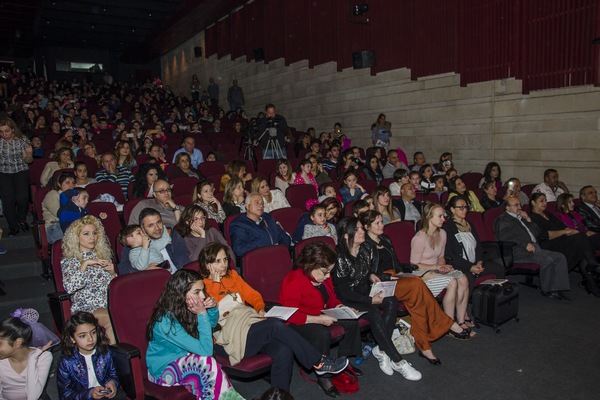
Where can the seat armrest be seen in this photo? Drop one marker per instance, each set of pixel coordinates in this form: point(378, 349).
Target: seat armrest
point(126, 359)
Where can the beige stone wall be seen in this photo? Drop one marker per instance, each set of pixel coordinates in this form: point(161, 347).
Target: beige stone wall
point(479, 123)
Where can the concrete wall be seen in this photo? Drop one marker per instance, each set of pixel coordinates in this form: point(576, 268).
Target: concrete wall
point(479, 123)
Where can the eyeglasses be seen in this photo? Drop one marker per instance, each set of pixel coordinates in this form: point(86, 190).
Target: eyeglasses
point(162, 191)
point(325, 271)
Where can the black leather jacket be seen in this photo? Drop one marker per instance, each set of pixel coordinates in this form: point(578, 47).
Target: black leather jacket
point(351, 277)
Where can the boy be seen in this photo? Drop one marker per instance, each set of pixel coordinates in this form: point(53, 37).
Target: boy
point(145, 253)
point(73, 203)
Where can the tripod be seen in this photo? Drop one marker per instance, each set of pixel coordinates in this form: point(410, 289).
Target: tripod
point(272, 148)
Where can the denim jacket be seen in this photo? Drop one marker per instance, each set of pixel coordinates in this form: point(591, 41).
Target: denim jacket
point(72, 375)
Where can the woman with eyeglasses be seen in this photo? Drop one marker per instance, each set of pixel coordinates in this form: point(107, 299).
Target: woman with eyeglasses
point(197, 233)
point(309, 288)
point(204, 196)
point(463, 247)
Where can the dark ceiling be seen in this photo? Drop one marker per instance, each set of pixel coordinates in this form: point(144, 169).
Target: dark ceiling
point(139, 30)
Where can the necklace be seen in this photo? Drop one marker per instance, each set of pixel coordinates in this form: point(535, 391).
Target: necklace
point(463, 226)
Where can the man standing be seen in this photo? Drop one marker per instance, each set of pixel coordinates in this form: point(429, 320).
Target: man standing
point(235, 96)
point(213, 92)
point(111, 173)
point(551, 186)
point(273, 132)
point(189, 146)
point(515, 226)
point(162, 202)
point(256, 228)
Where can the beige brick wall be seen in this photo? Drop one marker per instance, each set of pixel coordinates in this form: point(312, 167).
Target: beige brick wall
point(482, 122)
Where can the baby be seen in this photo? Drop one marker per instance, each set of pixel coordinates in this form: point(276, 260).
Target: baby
point(145, 253)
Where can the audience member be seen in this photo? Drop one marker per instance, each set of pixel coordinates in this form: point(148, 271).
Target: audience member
point(316, 169)
point(273, 134)
point(204, 197)
point(372, 169)
point(233, 198)
point(492, 173)
point(305, 177)
point(318, 225)
point(274, 199)
point(124, 154)
point(111, 173)
point(145, 178)
point(51, 205)
point(63, 159)
point(400, 177)
point(381, 132)
point(351, 190)
point(409, 208)
point(184, 169)
point(457, 186)
point(285, 176)
point(589, 208)
point(73, 203)
point(418, 161)
point(235, 168)
point(162, 202)
point(81, 175)
point(382, 202)
point(551, 186)
point(189, 146)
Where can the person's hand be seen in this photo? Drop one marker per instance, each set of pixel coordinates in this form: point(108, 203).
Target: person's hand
point(262, 312)
point(477, 269)
point(377, 299)
point(326, 320)
point(590, 233)
point(27, 153)
point(96, 394)
point(153, 266)
point(145, 240)
point(195, 304)
point(215, 275)
point(170, 203)
point(374, 278)
point(530, 247)
point(570, 231)
point(108, 266)
point(88, 263)
point(361, 188)
point(46, 346)
point(112, 386)
point(445, 268)
point(210, 302)
point(327, 228)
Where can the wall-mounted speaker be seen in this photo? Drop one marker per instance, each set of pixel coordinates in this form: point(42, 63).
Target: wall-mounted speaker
point(259, 54)
point(363, 59)
point(197, 52)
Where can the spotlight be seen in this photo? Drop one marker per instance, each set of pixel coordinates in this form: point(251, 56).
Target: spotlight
point(360, 9)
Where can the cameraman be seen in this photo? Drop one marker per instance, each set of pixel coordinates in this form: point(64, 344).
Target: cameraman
point(272, 127)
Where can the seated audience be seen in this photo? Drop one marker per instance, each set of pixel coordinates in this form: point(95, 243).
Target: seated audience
point(515, 226)
point(351, 190)
point(197, 233)
point(382, 202)
point(111, 173)
point(400, 178)
point(189, 146)
point(551, 187)
point(274, 199)
point(145, 177)
point(352, 279)
point(409, 208)
point(426, 172)
point(309, 288)
point(124, 155)
point(162, 202)
point(492, 173)
point(372, 169)
point(183, 162)
point(415, 179)
point(255, 228)
point(235, 168)
point(456, 186)
point(589, 208)
point(233, 198)
point(393, 163)
point(73, 203)
point(304, 176)
point(87, 268)
point(318, 225)
point(51, 205)
point(429, 322)
point(81, 175)
point(316, 169)
point(204, 196)
point(427, 252)
point(180, 339)
point(514, 189)
point(489, 199)
point(333, 214)
point(246, 332)
point(565, 210)
point(463, 248)
point(285, 176)
point(62, 159)
point(418, 161)
point(333, 157)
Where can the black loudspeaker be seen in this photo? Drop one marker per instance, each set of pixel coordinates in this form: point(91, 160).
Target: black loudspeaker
point(259, 54)
point(363, 59)
point(197, 52)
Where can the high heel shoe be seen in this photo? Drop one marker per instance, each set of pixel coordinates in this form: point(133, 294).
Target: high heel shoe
point(434, 361)
point(463, 335)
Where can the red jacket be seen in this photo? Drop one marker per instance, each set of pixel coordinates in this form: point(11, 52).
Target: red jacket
point(298, 291)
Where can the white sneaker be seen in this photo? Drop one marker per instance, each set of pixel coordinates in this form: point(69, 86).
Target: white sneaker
point(385, 364)
point(407, 370)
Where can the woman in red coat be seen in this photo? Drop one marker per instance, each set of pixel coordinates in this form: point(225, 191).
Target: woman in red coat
point(309, 288)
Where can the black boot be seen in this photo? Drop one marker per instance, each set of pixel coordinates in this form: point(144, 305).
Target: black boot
point(589, 281)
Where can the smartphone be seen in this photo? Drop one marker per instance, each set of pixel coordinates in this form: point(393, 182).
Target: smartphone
point(152, 131)
point(130, 135)
point(104, 391)
point(511, 186)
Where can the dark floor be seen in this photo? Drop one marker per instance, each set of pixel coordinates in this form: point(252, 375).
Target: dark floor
point(551, 353)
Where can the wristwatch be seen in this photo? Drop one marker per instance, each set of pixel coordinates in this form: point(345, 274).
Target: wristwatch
point(176, 208)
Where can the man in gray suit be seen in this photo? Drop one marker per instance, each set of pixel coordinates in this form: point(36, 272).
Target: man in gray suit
point(515, 226)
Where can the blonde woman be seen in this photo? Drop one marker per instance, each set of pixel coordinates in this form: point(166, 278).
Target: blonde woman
point(87, 268)
point(274, 199)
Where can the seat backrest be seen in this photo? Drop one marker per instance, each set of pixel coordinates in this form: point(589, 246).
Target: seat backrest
point(476, 221)
point(56, 268)
point(432, 197)
point(130, 312)
point(489, 217)
point(348, 208)
point(36, 168)
point(288, 217)
point(527, 189)
point(111, 222)
point(226, 225)
point(265, 268)
point(471, 179)
point(209, 168)
point(267, 166)
point(112, 188)
point(41, 240)
point(368, 185)
point(128, 207)
point(297, 195)
point(401, 234)
point(183, 185)
point(316, 239)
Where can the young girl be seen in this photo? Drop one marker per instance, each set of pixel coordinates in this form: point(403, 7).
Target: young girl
point(285, 175)
point(326, 191)
point(415, 179)
point(23, 369)
point(351, 190)
point(319, 226)
point(180, 341)
point(304, 176)
point(86, 369)
point(426, 177)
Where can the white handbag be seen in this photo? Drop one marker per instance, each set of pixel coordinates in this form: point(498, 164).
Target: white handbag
point(402, 339)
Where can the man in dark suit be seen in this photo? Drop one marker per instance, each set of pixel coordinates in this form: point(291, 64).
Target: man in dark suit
point(410, 209)
point(515, 226)
point(589, 209)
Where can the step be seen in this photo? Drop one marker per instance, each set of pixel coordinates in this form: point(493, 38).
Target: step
point(25, 292)
point(20, 263)
point(24, 240)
